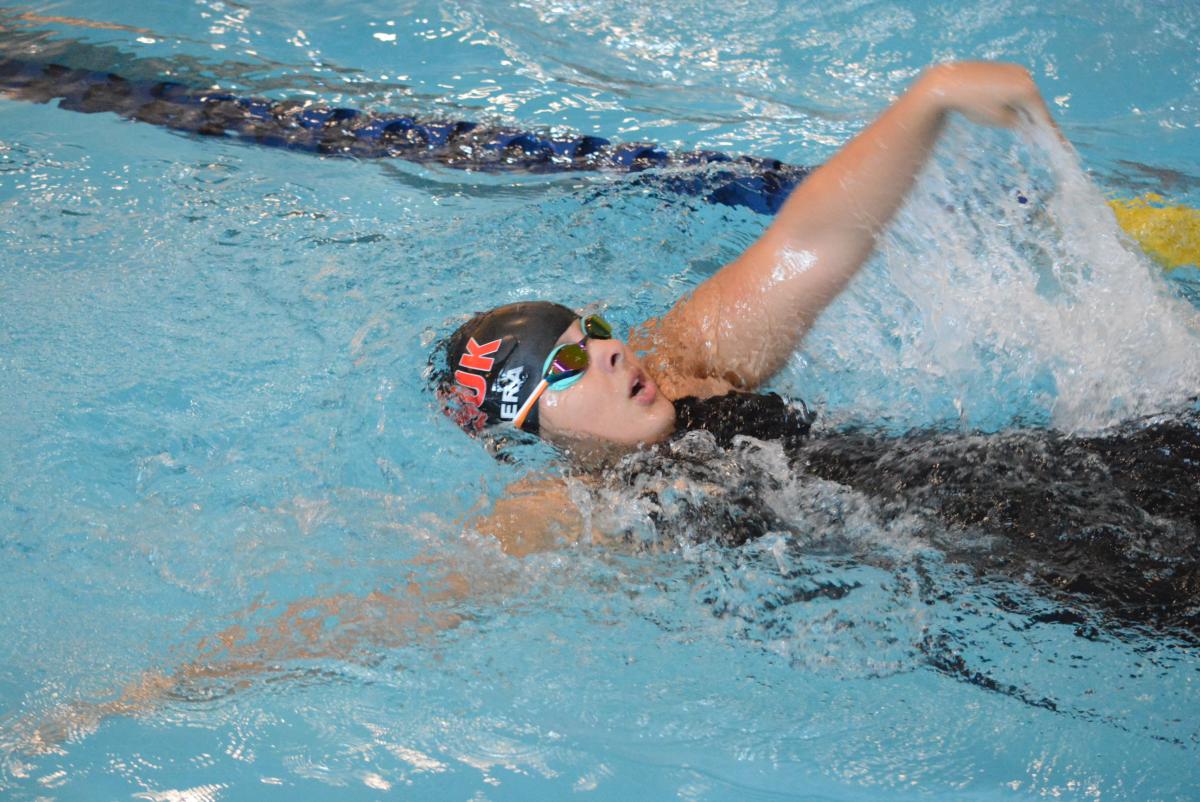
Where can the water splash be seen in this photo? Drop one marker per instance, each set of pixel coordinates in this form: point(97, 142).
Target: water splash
point(1007, 294)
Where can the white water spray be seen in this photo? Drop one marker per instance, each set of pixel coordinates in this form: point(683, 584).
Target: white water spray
point(1008, 293)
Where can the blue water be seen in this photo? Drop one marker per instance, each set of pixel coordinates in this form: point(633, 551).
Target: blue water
point(216, 447)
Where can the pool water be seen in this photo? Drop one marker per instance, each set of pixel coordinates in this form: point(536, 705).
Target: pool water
point(220, 462)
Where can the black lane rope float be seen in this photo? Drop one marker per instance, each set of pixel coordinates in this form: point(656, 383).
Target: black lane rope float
point(759, 184)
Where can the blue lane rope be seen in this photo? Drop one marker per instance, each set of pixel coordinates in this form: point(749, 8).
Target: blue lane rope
point(759, 184)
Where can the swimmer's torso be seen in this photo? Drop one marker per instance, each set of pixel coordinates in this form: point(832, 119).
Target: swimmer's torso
point(1114, 519)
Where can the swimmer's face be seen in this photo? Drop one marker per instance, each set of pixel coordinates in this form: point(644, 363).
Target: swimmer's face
point(615, 401)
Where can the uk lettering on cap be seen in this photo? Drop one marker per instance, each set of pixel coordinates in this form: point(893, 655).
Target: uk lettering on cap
point(476, 358)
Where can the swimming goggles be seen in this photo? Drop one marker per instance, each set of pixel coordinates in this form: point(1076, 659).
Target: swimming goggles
point(565, 364)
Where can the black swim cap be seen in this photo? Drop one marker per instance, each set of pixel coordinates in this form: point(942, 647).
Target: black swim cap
point(495, 361)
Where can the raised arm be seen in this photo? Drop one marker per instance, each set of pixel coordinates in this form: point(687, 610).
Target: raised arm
point(740, 326)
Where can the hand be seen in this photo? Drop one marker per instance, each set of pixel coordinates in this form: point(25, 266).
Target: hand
point(988, 93)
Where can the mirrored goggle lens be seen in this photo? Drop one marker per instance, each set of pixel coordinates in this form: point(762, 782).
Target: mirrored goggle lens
point(597, 327)
point(569, 360)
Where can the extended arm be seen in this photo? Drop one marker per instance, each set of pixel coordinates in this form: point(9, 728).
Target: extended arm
point(344, 626)
point(740, 326)
point(535, 516)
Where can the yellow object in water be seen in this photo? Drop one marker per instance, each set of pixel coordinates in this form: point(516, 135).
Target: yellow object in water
point(1171, 234)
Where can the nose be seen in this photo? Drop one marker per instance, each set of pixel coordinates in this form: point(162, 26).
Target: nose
point(606, 354)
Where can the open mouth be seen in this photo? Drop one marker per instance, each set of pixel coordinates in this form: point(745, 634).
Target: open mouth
point(641, 389)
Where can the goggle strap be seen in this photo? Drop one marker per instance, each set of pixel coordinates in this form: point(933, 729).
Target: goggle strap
point(529, 404)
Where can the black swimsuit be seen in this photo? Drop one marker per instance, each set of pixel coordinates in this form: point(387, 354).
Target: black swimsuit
point(1112, 518)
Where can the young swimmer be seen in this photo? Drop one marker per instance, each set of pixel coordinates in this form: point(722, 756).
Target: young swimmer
point(1135, 540)
point(1106, 518)
point(739, 327)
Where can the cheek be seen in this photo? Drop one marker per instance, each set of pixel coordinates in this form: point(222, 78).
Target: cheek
point(583, 408)
point(561, 410)
point(575, 405)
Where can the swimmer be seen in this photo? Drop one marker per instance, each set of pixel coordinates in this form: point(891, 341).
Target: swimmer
point(541, 369)
point(1107, 518)
point(739, 327)
point(537, 367)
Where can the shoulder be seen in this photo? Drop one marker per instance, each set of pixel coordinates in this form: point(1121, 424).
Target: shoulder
point(678, 388)
point(534, 515)
point(673, 372)
point(677, 363)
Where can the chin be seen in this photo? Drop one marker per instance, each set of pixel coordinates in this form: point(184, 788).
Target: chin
point(666, 424)
point(657, 425)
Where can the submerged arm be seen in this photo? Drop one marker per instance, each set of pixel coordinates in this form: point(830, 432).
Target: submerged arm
point(535, 516)
point(740, 326)
point(344, 626)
